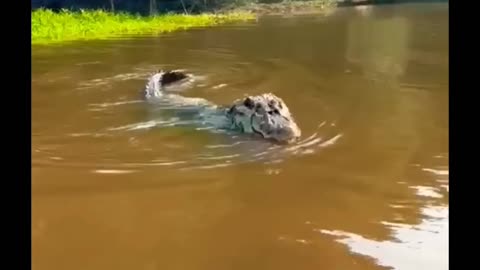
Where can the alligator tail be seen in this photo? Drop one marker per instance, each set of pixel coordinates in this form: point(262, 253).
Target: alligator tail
point(154, 85)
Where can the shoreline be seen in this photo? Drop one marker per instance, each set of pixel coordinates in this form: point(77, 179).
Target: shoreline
point(50, 28)
point(287, 7)
point(56, 28)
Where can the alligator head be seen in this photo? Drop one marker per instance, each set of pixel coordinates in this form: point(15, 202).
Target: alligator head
point(266, 115)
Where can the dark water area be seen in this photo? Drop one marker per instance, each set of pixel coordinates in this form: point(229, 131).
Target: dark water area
point(115, 186)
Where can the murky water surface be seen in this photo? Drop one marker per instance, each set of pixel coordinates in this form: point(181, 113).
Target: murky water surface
point(119, 186)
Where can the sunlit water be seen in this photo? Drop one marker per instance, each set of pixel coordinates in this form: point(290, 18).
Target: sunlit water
point(118, 184)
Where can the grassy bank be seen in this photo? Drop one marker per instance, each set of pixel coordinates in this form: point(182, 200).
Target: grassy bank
point(49, 27)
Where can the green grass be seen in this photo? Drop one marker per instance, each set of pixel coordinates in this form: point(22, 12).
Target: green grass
point(49, 27)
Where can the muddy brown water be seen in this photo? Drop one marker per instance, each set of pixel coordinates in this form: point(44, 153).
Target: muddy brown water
point(117, 186)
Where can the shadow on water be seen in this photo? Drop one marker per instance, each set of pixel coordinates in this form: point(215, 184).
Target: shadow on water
point(365, 188)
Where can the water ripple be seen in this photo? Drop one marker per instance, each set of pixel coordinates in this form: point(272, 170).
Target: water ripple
point(113, 104)
point(170, 114)
point(232, 149)
point(94, 83)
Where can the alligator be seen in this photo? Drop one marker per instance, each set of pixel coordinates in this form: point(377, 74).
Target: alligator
point(265, 116)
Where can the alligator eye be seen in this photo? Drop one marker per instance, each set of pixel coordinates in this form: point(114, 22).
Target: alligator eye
point(270, 112)
point(248, 102)
point(275, 111)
